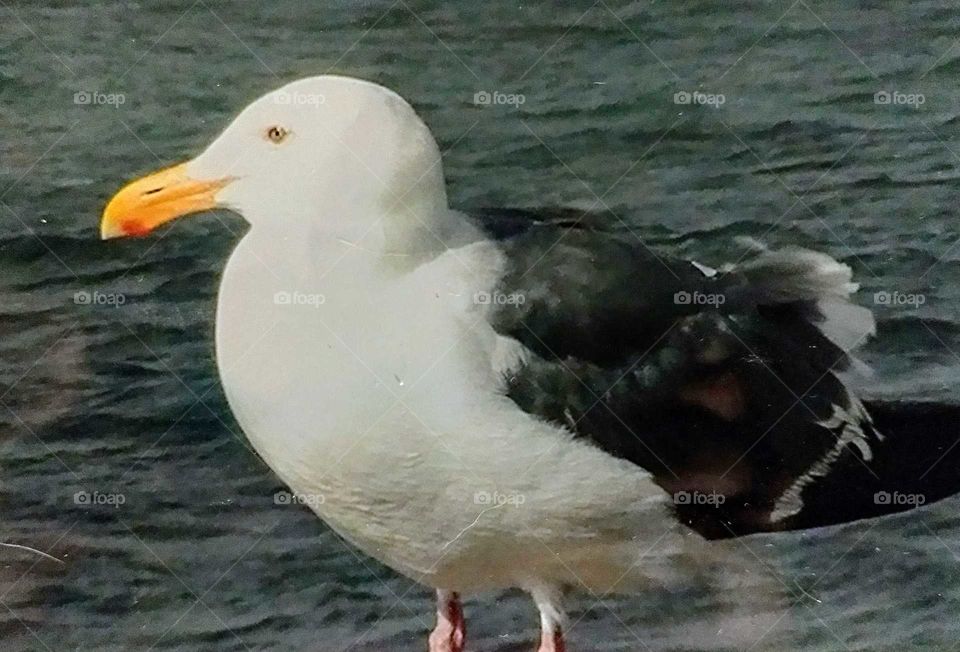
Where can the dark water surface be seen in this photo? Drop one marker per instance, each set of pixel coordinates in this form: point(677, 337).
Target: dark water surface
point(124, 401)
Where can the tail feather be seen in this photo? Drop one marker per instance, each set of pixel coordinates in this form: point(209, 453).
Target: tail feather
point(815, 284)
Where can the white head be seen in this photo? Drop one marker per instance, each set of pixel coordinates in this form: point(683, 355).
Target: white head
point(335, 156)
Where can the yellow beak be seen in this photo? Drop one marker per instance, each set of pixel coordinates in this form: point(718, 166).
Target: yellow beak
point(144, 204)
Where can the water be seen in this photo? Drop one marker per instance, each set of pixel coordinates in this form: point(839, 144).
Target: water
point(123, 400)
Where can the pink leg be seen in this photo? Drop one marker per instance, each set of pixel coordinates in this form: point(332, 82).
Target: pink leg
point(548, 601)
point(450, 632)
point(552, 641)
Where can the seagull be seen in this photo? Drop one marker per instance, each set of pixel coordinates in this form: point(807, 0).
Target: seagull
point(521, 399)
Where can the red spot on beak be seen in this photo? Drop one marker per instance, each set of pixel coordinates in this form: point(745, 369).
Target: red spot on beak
point(134, 228)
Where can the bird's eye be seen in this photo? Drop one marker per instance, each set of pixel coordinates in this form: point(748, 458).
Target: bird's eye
point(277, 134)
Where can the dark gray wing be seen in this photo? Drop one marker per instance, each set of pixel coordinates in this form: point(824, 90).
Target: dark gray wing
point(723, 386)
point(593, 295)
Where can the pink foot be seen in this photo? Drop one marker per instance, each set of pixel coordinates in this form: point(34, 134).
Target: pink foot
point(450, 632)
point(552, 641)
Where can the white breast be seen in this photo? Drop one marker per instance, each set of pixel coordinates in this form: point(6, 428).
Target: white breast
point(380, 398)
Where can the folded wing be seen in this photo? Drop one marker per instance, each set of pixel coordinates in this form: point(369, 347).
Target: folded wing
point(724, 385)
